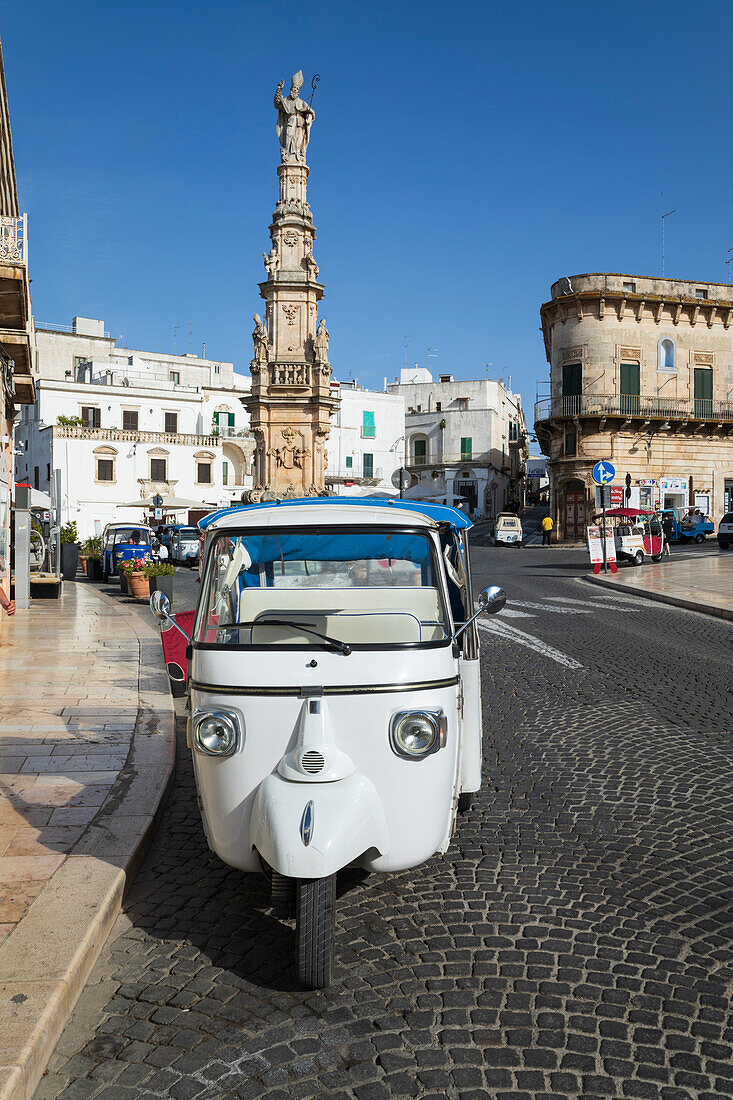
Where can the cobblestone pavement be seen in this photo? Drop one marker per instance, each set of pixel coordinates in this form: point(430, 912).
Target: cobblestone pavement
point(577, 939)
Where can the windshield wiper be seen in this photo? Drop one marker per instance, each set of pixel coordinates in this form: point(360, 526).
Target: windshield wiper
point(335, 643)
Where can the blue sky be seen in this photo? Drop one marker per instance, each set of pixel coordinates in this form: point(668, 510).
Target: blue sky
point(463, 157)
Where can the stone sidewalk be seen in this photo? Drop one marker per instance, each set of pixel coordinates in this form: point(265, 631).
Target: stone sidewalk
point(86, 758)
point(702, 584)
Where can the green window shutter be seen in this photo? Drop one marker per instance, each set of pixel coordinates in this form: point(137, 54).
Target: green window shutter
point(466, 447)
point(630, 380)
point(224, 472)
point(572, 380)
point(216, 419)
point(421, 451)
point(349, 462)
point(231, 419)
point(367, 425)
point(703, 390)
point(367, 465)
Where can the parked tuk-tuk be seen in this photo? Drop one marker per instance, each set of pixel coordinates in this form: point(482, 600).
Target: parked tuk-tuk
point(508, 530)
point(687, 526)
point(638, 534)
point(335, 694)
point(184, 545)
point(122, 541)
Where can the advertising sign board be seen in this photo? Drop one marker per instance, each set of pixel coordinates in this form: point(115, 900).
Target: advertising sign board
point(595, 547)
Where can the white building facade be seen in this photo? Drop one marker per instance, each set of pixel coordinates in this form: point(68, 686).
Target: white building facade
point(465, 441)
point(121, 425)
point(365, 444)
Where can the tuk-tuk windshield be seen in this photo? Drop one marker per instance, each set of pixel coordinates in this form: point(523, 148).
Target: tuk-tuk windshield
point(368, 587)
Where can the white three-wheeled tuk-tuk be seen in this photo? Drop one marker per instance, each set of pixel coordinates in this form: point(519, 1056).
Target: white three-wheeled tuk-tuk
point(335, 694)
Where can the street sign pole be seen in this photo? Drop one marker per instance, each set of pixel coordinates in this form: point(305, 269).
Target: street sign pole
point(402, 472)
point(603, 515)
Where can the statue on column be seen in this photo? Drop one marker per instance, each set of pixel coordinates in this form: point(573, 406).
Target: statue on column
point(259, 337)
point(272, 261)
point(320, 343)
point(294, 121)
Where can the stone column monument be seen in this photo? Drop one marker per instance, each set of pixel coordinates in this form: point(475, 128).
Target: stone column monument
point(291, 402)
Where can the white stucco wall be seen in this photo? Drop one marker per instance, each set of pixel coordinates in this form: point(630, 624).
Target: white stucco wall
point(347, 439)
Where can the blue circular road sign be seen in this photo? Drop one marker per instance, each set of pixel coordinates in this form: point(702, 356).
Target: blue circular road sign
point(603, 473)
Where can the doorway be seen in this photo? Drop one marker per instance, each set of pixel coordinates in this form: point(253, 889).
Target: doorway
point(574, 511)
point(630, 389)
point(469, 491)
point(703, 383)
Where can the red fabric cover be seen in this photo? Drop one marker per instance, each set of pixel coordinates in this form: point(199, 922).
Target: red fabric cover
point(174, 644)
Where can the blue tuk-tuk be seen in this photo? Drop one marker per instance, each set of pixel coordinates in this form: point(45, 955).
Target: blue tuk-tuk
point(121, 542)
point(688, 527)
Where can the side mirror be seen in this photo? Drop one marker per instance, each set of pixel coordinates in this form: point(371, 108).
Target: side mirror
point(160, 605)
point(490, 599)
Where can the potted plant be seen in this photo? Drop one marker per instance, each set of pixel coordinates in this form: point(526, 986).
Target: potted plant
point(69, 551)
point(137, 582)
point(92, 551)
point(160, 577)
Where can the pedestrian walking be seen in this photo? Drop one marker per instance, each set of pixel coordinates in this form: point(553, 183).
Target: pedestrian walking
point(668, 529)
point(547, 526)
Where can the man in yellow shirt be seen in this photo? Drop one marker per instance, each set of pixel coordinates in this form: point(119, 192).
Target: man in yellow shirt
point(546, 530)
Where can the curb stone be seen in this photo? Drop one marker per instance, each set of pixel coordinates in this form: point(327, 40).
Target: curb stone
point(662, 597)
point(45, 962)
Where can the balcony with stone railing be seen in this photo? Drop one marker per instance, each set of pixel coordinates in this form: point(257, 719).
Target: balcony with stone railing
point(117, 435)
point(637, 407)
point(16, 323)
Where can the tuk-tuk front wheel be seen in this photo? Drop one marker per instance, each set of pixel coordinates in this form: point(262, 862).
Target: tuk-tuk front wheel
point(315, 912)
point(638, 558)
point(699, 539)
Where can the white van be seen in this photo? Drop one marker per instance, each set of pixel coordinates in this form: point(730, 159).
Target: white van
point(508, 530)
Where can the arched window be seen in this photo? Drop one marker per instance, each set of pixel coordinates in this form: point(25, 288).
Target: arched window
point(667, 355)
point(418, 450)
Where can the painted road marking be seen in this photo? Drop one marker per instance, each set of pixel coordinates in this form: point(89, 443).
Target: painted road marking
point(512, 634)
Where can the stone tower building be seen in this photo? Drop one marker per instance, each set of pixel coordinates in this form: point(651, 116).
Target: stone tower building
point(641, 374)
point(291, 401)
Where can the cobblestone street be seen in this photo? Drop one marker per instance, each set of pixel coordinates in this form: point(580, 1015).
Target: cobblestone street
point(577, 938)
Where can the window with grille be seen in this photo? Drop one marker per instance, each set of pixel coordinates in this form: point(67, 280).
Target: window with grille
point(171, 423)
point(367, 465)
point(203, 473)
point(129, 420)
point(158, 469)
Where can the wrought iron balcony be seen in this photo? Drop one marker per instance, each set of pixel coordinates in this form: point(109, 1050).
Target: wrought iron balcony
point(449, 458)
point(14, 239)
point(638, 407)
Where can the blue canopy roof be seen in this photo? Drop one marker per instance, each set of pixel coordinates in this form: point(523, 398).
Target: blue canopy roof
point(441, 513)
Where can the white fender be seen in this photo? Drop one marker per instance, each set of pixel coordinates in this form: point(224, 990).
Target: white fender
point(346, 818)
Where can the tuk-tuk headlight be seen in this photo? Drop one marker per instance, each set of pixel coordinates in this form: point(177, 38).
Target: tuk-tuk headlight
point(415, 734)
point(216, 733)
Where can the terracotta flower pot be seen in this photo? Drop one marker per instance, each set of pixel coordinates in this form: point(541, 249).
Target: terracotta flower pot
point(139, 586)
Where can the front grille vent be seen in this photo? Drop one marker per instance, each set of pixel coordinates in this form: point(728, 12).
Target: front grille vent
point(312, 762)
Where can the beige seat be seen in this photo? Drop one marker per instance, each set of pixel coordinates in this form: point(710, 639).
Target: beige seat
point(354, 615)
